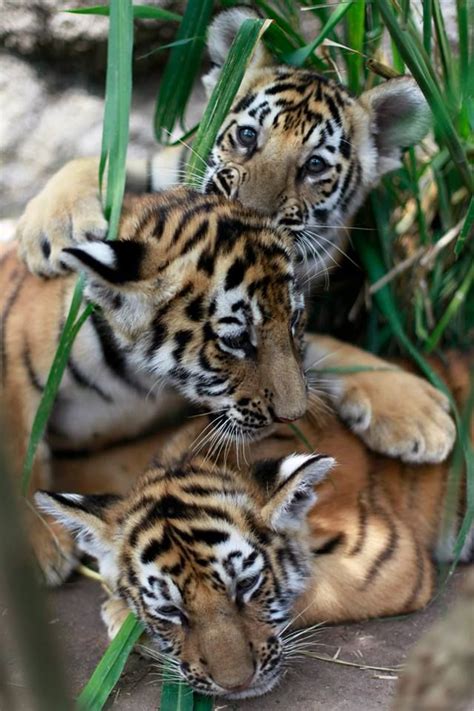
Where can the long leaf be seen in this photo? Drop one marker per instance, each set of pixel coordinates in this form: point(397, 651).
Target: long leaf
point(181, 68)
point(355, 22)
point(176, 696)
point(467, 229)
point(224, 92)
point(71, 328)
point(300, 56)
point(117, 109)
point(454, 305)
point(415, 60)
point(117, 88)
point(140, 12)
point(108, 671)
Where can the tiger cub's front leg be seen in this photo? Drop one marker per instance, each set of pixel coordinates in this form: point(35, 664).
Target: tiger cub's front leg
point(68, 210)
point(394, 412)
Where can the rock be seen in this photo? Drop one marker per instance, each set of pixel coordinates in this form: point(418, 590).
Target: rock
point(41, 29)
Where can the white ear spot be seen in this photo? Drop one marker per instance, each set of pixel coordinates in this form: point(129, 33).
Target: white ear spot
point(315, 464)
point(76, 498)
point(100, 252)
point(48, 504)
point(45, 503)
point(223, 30)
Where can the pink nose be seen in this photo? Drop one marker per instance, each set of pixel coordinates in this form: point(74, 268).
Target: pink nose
point(241, 687)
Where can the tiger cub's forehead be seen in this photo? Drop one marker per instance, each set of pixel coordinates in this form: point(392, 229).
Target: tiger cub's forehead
point(296, 103)
point(190, 519)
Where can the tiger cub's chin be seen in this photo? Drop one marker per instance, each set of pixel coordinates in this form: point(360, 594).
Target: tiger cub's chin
point(211, 561)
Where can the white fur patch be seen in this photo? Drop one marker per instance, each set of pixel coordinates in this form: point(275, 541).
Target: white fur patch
point(315, 466)
point(100, 251)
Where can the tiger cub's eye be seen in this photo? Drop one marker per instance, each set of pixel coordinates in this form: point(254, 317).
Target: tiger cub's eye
point(316, 165)
point(247, 584)
point(247, 136)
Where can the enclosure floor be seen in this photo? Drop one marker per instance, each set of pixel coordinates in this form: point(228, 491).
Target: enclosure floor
point(312, 684)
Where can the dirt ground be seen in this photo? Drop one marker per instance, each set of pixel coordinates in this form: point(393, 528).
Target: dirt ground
point(312, 685)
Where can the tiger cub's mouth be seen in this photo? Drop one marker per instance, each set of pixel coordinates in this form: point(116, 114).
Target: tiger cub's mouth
point(233, 429)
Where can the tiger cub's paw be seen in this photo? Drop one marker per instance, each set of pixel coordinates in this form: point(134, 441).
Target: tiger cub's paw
point(398, 414)
point(114, 612)
point(66, 212)
point(54, 548)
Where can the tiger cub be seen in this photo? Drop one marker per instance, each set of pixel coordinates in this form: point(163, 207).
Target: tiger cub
point(217, 560)
point(295, 146)
point(198, 293)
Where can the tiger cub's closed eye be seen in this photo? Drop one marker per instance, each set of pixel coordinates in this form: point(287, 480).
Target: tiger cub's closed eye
point(247, 584)
point(237, 342)
point(172, 612)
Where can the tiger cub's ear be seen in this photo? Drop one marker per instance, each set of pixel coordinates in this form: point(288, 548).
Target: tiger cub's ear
point(84, 516)
point(400, 117)
point(221, 33)
point(117, 262)
point(290, 482)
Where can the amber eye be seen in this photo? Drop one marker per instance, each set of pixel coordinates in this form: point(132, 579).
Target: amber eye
point(247, 136)
point(316, 165)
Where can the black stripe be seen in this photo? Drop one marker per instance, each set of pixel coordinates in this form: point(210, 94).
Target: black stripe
point(93, 504)
point(362, 525)
point(393, 535)
point(235, 275)
point(329, 545)
point(155, 548)
point(420, 577)
point(84, 382)
point(3, 324)
point(244, 103)
point(199, 234)
point(128, 258)
point(210, 536)
point(32, 375)
point(113, 356)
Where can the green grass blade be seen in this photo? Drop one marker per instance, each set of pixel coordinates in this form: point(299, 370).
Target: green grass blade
point(405, 5)
point(202, 703)
point(176, 696)
point(181, 68)
point(427, 23)
point(301, 55)
point(454, 487)
point(71, 329)
point(117, 109)
point(108, 671)
point(140, 12)
point(302, 437)
point(455, 304)
point(224, 92)
point(444, 48)
point(415, 61)
point(115, 138)
point(467, 229)
point(280, 21)
point(355, 24)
